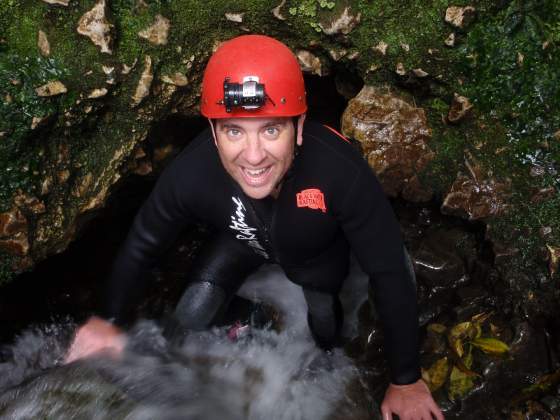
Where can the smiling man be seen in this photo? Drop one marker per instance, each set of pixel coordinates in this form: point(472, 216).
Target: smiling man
point(277, 189)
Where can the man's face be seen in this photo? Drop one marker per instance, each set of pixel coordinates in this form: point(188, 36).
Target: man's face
point(256, 152)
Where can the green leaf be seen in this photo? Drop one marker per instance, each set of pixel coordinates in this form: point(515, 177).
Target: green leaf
point(490, 345)
point(459, 384)
point(436, 375)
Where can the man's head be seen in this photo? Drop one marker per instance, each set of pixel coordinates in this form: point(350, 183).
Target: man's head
point(257, 152)
point(252, 89)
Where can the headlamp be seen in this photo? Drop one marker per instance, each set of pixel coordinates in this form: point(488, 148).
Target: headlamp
point(249, 95)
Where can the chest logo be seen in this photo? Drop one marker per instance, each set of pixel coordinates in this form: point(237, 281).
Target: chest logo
point(312, 198)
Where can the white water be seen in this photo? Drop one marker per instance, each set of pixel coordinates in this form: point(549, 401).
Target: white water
point(268, 375)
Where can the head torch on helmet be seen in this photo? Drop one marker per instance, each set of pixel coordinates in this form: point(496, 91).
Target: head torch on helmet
point(249, 95)
point(252, 76)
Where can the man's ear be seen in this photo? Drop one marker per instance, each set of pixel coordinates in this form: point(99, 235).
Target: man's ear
point(213, 131)
point(299, 136)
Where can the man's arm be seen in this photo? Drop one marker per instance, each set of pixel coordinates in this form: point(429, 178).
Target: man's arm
point(154, 229)
point(374, 235)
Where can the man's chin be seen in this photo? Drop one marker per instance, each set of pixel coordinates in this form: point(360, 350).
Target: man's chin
point(256, 193)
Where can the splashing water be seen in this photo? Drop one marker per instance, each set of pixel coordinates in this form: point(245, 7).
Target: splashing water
point(265, 375)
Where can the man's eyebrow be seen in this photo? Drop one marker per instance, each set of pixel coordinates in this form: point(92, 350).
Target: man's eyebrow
point(229, 125)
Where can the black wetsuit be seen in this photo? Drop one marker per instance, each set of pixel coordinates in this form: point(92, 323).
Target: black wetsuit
point(330, 202)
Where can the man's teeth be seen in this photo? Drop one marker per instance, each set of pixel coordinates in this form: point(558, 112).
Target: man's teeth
point(255, 172)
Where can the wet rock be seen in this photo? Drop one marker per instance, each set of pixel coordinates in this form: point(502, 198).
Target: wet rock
point(83, 185)
point(394, 136)
point(420, 73)
point(235, 17)
point(553, 259)
point(342, 24)
point(17, 245)
point(158, 32)
point(460, 108)
point(460, 17)
point(440, 270)
point(43, 44)
point(52, 88)
point(110, 72)
point(310, 63)
point(36, 122)
point(97, 93)
point(381, 47)
point(145, 82)
point(545, 231)
point(126, 69)
point(177, 79)
point(29, 203)
point(400, 70)
point(143, 167)
point(277, 11)
point(450, 40)
point(60, 2)
point(96, 27)
point(12, 222)
point(474, 197)
point(543, 194)
point(337, 54)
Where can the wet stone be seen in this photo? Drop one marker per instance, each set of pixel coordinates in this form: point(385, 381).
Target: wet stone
point(158, 32)
point(342, 24)
point(543, 194)
point(460, 108)
point(59, 2)
point(12, 222)
point(235, 17)
point(277, 11)
point(144, 84)
point(394, 136)
point(52, 88)
point(475, 198)
point(310, 63)
point(43, 44)
point(17, 245)
point(460, 17)
point(94, 25)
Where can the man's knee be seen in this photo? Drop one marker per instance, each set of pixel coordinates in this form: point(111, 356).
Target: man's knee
point(198, 307)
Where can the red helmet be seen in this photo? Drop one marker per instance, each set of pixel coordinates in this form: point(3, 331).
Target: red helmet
point(252, 76)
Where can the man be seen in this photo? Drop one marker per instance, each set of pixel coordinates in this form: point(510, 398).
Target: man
point(276, 190)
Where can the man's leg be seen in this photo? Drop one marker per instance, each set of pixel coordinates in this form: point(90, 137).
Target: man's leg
point(324, 316)
point(216, 275)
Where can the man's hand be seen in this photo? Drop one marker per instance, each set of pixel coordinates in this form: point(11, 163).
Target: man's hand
point(410, 402)
point(96, 336)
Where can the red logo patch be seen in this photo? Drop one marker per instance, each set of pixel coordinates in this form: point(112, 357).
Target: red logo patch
point(312, 198)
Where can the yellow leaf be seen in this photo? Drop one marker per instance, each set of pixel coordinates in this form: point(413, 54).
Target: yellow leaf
point(457, 346)
point(460, 330)
point(490, 345)
point(459, 384)
point(437, 374)
point(481, 317)
point(437, 328)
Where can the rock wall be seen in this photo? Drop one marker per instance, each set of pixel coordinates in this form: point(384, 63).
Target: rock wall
point(466, 95)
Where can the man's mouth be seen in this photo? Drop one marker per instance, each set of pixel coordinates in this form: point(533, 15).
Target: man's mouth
point(256, 177)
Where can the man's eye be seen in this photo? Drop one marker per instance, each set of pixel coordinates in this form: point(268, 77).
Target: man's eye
point(233, 132)
point(271, 131)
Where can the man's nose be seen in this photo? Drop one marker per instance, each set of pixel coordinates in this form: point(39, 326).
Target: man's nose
point(254, 152)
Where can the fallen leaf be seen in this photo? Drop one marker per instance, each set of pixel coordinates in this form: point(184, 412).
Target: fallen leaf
point(490, 345)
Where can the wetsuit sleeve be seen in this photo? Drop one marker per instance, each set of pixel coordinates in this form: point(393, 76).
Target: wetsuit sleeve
point(155, 228)
point(374, 235)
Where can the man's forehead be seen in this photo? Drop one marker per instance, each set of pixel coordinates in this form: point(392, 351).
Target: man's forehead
point(251, 122)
